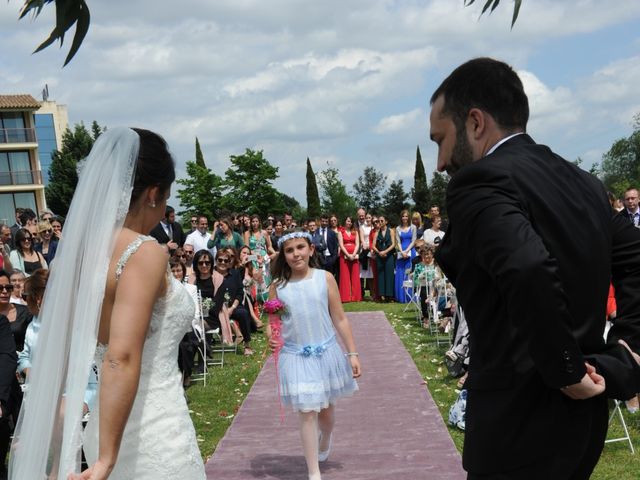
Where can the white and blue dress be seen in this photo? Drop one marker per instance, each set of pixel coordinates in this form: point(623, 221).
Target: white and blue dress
point(313, 370)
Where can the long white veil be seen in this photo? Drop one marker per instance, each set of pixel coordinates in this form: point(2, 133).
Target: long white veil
point(48, 433)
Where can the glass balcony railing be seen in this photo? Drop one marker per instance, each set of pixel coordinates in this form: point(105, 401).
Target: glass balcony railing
point(25, 177)
point(17, 135)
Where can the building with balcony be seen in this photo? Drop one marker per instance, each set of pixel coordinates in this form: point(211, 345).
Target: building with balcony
point(51, 120)
point(21, 182)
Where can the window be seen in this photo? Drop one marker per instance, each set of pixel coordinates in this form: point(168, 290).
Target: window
point(13, 128)
point(10, 201)
point(15, 168)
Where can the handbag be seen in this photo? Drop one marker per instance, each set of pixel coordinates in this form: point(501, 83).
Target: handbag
point(454, 363)
point(457, 412)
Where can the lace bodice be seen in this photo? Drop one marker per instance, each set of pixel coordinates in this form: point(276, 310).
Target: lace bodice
point(159, 439)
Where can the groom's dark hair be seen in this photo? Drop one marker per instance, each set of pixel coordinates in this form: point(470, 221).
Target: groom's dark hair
point(491, 86)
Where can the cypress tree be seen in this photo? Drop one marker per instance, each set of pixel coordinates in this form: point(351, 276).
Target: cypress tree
point(313, 198)
point(199, 156)
point(420, 192)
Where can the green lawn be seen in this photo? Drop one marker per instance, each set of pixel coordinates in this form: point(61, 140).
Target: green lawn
point(214, 406)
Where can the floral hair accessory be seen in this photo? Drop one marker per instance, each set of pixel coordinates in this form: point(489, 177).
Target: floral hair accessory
point(289, 236)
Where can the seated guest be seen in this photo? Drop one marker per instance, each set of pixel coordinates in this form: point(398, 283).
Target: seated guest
point(48, 243)
point(17, 280)
point(24, 256)
point(18, 315)
point(188, 260)
point(189, 343)
point(425, 276)
point(228, 297)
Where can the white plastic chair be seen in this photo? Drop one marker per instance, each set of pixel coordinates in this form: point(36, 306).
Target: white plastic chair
point(414, 296)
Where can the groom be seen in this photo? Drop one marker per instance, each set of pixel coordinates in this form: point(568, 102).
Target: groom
point(531, 247)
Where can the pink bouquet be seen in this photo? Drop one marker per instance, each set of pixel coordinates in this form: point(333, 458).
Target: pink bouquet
point(274, 309)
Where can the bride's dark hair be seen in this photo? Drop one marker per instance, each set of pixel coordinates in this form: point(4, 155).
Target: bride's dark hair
point(155, 166)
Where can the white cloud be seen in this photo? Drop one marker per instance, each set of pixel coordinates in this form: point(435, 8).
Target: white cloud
point(395, 123)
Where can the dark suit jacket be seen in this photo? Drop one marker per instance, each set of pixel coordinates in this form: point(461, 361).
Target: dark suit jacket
point(625, 214)
point(531, 247)
point(8, 364)
point(161, 236)
point(332, 244)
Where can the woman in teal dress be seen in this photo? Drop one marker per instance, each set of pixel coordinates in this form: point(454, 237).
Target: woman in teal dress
point(260, 244)
point(226, 237)
point(384, 246)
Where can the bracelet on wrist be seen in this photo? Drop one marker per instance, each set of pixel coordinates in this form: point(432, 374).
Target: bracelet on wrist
point(351, 354)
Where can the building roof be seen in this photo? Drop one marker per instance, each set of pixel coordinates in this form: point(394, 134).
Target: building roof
point(21, 102)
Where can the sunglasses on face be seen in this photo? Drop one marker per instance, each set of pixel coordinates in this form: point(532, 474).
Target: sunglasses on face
point(180, 256)
point(223, 260)
point(188, 252)
point(6, 288)
point(206, 263)
point(26, 239)
point(47, 231)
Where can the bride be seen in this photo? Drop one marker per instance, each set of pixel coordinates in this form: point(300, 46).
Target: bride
point(111, 287)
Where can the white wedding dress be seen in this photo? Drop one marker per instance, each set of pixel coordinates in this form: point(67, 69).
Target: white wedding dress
point(159, 441)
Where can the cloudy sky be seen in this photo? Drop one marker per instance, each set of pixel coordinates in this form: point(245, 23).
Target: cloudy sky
point(342, 82)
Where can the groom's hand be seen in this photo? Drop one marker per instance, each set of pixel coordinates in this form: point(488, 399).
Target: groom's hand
point(591, 385)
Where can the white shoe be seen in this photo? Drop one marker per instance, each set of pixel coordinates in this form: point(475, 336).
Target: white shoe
point(323, 455)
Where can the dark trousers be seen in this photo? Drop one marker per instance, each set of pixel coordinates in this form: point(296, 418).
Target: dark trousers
point(242, 317)
point(423, 302)
point(580, 446)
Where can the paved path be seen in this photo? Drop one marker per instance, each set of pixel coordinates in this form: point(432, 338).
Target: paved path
point(390, 429)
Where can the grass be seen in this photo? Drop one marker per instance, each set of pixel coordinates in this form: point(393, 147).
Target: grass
point(214, 406)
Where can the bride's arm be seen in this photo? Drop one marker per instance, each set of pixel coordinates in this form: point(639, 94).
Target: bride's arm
point(141, 283)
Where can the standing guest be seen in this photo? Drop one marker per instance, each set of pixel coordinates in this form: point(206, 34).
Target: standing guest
point(631, 211)
point(5, 251)
point(366, 272)
point(434, 211)
point(9, 389)
point(46, 216)
point(193, 223)
point(225, 236)
point(29, 220)
point(17, 280)
point(256, 238)
point(349, 242)
point(268, 227)
point(18, 315)
point(328, 258)
point(384, 246)
point(405, 241)
point(288, 221)
point(169, 232)
point(253, 283)
point(361, 214)
point(433, 235)
point(18, 225)
point(246, 224)
point(416, 220)
point(278, 231)
point(24, 256)
point(48, 244)
point(7, 237)
point(56, 225)
point(311, 384)
point(373, 262)
point(199, 239)
point(316, 238)
point(532, 269)
point(334, 224)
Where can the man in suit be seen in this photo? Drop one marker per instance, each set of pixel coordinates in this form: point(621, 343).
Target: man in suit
point(168, 231)
point(532, 269)
point(631, 212)
point(329, 256)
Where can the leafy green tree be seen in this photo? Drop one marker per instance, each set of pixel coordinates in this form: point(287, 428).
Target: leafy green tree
point(369, 189)
point(394, 201)
point(420, 191)
point(63, 173)
point(621, 164)
point(313, 197)
point(335, 198)
point(202, 192)
point(199, 156)
point(248, 185)
point(438, 188)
